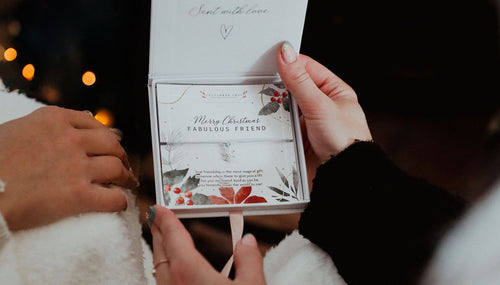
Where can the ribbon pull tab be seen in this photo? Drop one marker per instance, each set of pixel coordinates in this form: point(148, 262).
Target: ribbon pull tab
point(236, 221)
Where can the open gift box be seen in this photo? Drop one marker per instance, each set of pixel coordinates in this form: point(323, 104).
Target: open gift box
point(225, 132)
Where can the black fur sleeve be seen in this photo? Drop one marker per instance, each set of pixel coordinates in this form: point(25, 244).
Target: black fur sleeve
point(379, 225)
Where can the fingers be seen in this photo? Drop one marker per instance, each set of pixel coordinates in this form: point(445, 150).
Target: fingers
point(161, 270)
point(248, 261)
point(310, 83)
point(103, 141)
point(186, 264)
point(104, 199)
point(297, 80)
point(327, 81)
point(82, 119)
point(176, 239)
point(110, 169)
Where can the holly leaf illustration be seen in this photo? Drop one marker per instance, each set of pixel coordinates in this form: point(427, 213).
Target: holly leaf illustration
point(201, 199)
point(174, 176)
point(166, 198)
point(268, 91)
point(286, 104)
point(280, 85)
point(190, 184)
point(270, 108)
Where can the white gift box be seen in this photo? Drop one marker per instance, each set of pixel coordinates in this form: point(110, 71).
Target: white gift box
point(225, 132)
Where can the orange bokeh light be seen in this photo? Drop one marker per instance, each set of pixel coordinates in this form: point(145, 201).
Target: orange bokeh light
point(28, 71)
point(10, 54)
point(105, 117)
point(88, 78)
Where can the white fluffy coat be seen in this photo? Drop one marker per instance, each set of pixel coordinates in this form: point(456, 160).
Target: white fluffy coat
point(107, 248)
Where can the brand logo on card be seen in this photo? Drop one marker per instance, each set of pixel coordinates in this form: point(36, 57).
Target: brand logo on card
point(223, 95)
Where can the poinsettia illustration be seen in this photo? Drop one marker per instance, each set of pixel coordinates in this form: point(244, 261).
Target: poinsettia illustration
point(241, 197)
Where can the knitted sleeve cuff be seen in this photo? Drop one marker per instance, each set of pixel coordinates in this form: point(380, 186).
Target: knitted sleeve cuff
point(373, 219)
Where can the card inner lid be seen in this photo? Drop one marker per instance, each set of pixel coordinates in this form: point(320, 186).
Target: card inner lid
point(214, 37)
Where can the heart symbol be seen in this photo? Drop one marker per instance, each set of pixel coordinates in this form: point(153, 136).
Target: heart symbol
point(225, 30)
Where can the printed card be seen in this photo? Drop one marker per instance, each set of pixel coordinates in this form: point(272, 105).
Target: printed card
point(227, 146)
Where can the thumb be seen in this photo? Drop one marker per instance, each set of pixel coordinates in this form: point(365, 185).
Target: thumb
point(248, 261)
point(297, 80)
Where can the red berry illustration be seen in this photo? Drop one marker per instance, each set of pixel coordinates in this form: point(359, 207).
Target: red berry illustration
point(276, 94)
point(189, 202)
point(166, 188)
point(280, 100)
point(273, 99)
point(177, 190)
point(188, 194)
point(284, 94)
point(180, 201)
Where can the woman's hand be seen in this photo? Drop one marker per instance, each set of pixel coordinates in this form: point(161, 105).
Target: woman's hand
point(178, 262)
point(332, 116)
point(57, 163)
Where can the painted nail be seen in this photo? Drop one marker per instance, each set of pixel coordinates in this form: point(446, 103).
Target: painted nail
point(288, 52)
point(151, 215)
point(249, 240)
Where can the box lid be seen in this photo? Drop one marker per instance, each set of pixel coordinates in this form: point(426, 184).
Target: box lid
point(214, 37)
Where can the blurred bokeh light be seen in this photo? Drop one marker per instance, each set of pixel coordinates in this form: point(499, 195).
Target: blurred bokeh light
point(10, 54)
point(88, 78)
point(105, 117)
point(28, 71)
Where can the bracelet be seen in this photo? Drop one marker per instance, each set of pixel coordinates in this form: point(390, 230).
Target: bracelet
point(2, 186)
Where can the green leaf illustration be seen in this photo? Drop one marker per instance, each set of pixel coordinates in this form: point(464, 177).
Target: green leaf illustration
point(270, 108)
point(174, 176)
point(286, 104)
point(268, 91)
point(166, 198)
point(296, 178)
point(279, 191)
point(280, 85)
point(201, 199)
point(283, 178)
point(191, 183)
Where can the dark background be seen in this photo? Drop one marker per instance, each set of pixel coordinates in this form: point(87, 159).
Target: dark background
point(427, 74)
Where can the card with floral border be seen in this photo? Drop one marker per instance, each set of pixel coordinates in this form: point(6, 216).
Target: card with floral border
point(227, 146)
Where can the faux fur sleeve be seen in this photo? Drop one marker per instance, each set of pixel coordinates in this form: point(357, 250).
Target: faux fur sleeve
point(4, 233)
point(8, 259)
point(379, 225)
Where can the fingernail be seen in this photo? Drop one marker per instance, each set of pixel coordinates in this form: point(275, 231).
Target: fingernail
point(88, 112)
point(151, 216)
point(288, 52)
point(249, 240)
point(135, 179)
